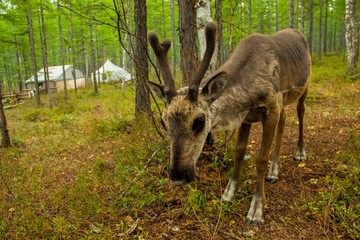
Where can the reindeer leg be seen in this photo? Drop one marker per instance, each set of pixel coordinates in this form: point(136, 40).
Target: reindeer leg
point(240, 149)
point(256, 212)
point(300, 152)
point(273, 174)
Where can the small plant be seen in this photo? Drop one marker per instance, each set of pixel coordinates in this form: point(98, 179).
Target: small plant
point(195, 201)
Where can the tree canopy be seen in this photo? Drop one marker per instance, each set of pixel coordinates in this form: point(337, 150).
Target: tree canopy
point(113, 29)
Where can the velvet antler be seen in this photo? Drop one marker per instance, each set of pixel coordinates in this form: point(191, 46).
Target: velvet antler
point(160, 50)
point(210, 33)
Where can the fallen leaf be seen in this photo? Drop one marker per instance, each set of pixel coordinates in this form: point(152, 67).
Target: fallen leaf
point(128, 219)
point(301, 165)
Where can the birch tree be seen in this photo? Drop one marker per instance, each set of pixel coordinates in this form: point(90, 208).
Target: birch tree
point(351, 36)
point(203, 16)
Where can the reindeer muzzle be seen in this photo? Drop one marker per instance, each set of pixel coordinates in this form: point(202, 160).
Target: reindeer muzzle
point(181, 175)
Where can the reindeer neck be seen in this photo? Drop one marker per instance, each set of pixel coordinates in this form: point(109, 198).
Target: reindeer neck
point(228, 111)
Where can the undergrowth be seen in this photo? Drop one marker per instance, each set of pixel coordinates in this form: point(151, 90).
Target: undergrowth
point(87, 169)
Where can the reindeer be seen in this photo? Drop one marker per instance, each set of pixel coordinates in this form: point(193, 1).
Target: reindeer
point(263, 75)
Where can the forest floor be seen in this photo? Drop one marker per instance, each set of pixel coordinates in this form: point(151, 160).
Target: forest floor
point(88, 170)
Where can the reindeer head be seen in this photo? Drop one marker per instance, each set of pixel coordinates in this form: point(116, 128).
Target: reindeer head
point(187, 116)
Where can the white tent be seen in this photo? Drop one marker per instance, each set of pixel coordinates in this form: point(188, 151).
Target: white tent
point(56, 78)
point(109, 72)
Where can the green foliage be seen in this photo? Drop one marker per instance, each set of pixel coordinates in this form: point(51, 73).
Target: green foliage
point(195, 201)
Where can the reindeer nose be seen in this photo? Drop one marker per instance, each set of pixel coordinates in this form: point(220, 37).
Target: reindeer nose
point(181, 175)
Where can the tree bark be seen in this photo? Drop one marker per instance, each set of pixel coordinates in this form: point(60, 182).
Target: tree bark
point(326, 26)
point(310, 26)
point(92, 56)
point(249, 16)
point(302, 20)
point(203, 16)
point(231, 27)
point(44, 55)
point(173, 34)
point(351, 36)
point(291, 14)
point(33, 53)
point(5, 138)
point(188, 36)
point(319, 30)
point(276, 15)
point(142, 97)
point(219, 37)
point(73, 50)
point(62, 50)
point(19, 69)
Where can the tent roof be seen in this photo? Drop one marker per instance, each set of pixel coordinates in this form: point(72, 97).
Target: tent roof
point(55, 73)
point(116, 71)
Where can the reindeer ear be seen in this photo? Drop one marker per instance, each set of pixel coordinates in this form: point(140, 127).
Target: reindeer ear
point(214, 87)
point(158, 90)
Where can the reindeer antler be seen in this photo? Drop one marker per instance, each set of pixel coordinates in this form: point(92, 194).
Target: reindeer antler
point(160, 50)
point(210, 33)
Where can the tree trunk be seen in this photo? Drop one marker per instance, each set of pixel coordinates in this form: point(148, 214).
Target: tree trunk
point(232, 26)
point(83, 57)
point(203, 16)
point(291, 14)
point(276, 15)
point(33, 54)
point(73, 50)
point(326, 26)
point(219, 37)
point(351, 36)
point(44, 55)
point(142, 97)
point(92, 57)
point(249, 16)
point(62, 51)
point(5, 138)
point(310, 27)
point(19, 69)
point(302, 20)
point(173, 35)
point(320, 30)
point(188, 37)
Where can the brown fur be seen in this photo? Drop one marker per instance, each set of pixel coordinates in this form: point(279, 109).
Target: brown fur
point(263, 75)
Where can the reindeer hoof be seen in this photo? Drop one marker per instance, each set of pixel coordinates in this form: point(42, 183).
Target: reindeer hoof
point(230, 191)
point(271, 179)
point(255, 213)
point(300, 156)
point(255, 222)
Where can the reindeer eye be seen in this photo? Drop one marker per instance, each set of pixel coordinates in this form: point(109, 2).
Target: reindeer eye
point(198, 124)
